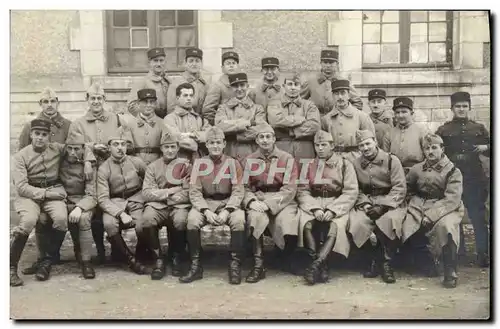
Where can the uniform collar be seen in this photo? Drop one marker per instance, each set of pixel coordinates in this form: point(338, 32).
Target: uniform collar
point(91, 117)
point(438, 166)
point(348, 111)
point(218, 160)
point(274, 154)
point(122, 160)
point(180, 111)
point(141, 120)
point(322, 78)
point(158, 78)
point(191, 78)
point(384, 116)
point(378, 160)
point(275, 85)
point(285, 101)
point(460, 120)
point(57, 119)
point(224, 79)
point(333, 161)
point(245, 102)
point(405, 127)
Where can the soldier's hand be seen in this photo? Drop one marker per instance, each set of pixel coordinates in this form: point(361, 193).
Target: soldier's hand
point(480, 148)
point(260, 195)
point(366, 207)
point(329, 216)
point(88, 170)
point(319, 214)
point(223, 215)
point(211, 217)
point(257, 206)
point(427, 223)
point(74, 216)
point(264, 206)
point(125, 218)
point(173, 190)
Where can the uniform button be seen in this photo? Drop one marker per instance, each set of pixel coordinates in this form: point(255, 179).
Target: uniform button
point(147, 133)
point(53, 134)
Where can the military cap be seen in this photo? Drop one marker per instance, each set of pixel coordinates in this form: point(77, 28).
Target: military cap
point(340, 84)
point(230, 54)
point(194, 52)
point(120, 134)
point(403, 102)
point(168, 138)
point(75, 139)
point(460, 96)
point(293, 76)
point(270, 62)
point(47, 93)
point(237, 78)
point(376, 93)
point(362, 135)
point(40, 124)
point(322, 136)
point(264, 128)
point(431, 139)
point(329, 54)
point(155, 52)
point(214, 133)
point(146, 93)
point(96, 89)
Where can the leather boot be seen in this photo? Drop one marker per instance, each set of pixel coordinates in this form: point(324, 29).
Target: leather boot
point(97, 228)
point(287, 264)
point(258, 271)
point(55, 256)
point(177, 247)
point(372, 259)
point(51, 248)
point(154, 243)
point(483, 260)
point(16, 249)
point(237, 248)
point(311, 273)
point(142, 251)
point(41, 232)
point(450, 260)
point(121, 247)
point(74, 231)
point(387, 253)
point(196, 270)
point(323, 254)
point(85, 243)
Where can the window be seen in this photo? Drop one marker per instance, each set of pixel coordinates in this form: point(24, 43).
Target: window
point(130, 33)
point(410, 38)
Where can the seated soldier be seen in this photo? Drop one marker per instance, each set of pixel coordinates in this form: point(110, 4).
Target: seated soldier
point(324, 204)
point(166, 192)
point(380, 205)
point(119, 185)
point(435, 207)
point(36, 178)
point(216, 193)
point(270, 178)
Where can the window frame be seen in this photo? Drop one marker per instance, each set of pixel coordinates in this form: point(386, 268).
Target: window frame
point(404, 43)
point(153, 31)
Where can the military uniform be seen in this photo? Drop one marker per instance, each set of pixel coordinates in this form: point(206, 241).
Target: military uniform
point(343, 124)
point(119, 185)
point(199, 83)
point(405, 142)
point(166, 204)
point(238, 118)
point(219, 92)
point(435, 192)
point(382, 184)
point(459, 137)
point(295, 121)
point(266, 91)
point(318, 89)
point(159, 83)
point(383, 121)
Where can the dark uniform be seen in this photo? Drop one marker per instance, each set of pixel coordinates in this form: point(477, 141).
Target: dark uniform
point(459, 137)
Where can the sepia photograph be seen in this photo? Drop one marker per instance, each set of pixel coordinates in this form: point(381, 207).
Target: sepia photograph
point(250, 164)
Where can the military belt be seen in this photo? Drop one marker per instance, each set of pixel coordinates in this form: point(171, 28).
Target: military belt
point(44, 183)
point(124, 194)
point(376, 191)
point(429, 196)
point(268, 189)
point(325, 193)
point(217, 196)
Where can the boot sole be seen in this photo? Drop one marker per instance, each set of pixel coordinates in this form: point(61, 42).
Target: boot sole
point(192, 280)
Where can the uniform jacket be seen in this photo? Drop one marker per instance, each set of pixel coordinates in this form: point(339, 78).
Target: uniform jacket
point(264, 92)
point(218, 93)
point(59, 128)
point(200, 91)
point(81, 192)
point(184, 121)
point(151, 81)
point(383, 123)
point(406, 143)
point(96, 130)
point(146, 137)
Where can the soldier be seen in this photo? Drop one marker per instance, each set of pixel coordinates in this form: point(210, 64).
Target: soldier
point(36, 178)
point(380, 205)
point(269, 88)
point(119, 185)
point(96, 126)
point(324, 206)
point(156, 79)
point(166, 193)
point(404, 140)
point(318, 88)
point(238, 118)
point(295, 120)
point(185, 123)
point(382, 118)
point(270, 200)
point(344, 120)
point(216, 200)
point(464, 140)
point(221, 91)
point(435, 208)
point(193, 63)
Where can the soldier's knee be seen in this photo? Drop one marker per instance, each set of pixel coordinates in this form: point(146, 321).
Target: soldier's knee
point(110, 225)
point(84, 223)
point(237, 220)
point(308, 226)
point(179, 219)
point(194, 220)
point(148, 219)
point(257, 217)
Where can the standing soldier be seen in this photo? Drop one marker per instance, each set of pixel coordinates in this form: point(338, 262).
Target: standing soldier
point(270, 200)
point(166, 193)
point(318, 89)
point(238, 118)
point(295, 120)
point(119, 185)
point(344, 120)
point(269, 88)
point(324, 206)
point(185, 123)
point(404, 140)
point(464, 140)
point(221, 91)
point(36, 178)
point(193, 63)
point(216, 200)
point(156, 79)
point(435, 206)
point(96, 126)
point(380, 205)
point(382, 117)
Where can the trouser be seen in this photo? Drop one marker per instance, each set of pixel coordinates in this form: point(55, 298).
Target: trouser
point(474, 197)
point(29, 212)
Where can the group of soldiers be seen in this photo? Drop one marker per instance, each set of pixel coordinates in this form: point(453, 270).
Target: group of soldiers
point(385, 182)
